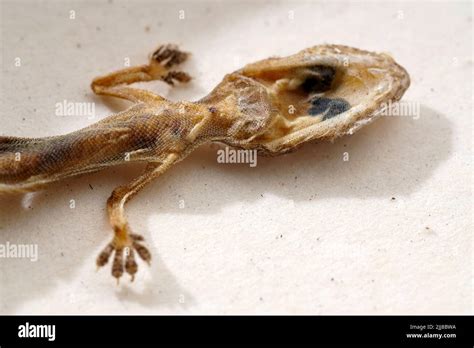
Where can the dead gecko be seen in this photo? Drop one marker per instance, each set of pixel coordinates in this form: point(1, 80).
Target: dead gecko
point(272, 106)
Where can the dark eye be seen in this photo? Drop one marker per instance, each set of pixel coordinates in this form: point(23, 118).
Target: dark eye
point(330, 107)
point(319, 79)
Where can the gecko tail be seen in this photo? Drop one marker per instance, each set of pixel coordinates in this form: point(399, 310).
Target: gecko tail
point(7, 144)
point(30, 164)
point(14, 162)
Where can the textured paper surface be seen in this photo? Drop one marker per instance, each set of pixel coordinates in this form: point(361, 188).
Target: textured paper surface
point(304, 233)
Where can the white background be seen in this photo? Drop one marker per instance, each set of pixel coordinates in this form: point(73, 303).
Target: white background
point(302, 233)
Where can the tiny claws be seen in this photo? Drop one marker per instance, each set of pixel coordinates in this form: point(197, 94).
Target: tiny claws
point(124, 258)
point(176, 58)
point(169, 55)
point(163, 52)
point(131, 266)
point(142, 252)
point(117, 266)
point(104, 256)
point(180, 76)
point(136, 237)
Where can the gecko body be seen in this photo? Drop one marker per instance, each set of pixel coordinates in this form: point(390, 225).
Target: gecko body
point(272, 106)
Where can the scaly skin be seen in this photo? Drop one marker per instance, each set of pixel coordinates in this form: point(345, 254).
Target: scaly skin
point(271, 106)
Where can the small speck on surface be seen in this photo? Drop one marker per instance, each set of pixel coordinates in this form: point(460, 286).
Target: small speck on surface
point(393, 198)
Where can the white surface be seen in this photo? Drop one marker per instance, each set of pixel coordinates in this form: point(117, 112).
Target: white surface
point(303, 233)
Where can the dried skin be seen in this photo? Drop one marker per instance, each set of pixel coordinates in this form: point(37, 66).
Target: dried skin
point(272, 106)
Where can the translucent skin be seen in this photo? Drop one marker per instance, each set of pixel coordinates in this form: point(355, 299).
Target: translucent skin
point(273, 106)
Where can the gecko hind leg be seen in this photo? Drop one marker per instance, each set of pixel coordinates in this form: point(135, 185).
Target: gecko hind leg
point(124, 241)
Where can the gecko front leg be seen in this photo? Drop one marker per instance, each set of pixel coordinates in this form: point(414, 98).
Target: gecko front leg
point(124, 241)
point(161, 61)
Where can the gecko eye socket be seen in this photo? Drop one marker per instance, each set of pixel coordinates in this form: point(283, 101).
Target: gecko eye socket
point(318, 79)
point(328, 107)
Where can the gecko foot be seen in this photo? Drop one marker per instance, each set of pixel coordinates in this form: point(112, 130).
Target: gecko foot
point(124, 247)
point(180, 76)
point(169, 55)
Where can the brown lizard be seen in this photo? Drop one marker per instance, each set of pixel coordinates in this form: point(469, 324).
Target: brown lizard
point(272, 106)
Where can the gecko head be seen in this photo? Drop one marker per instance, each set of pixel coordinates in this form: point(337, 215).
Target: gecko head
point(324, 92)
